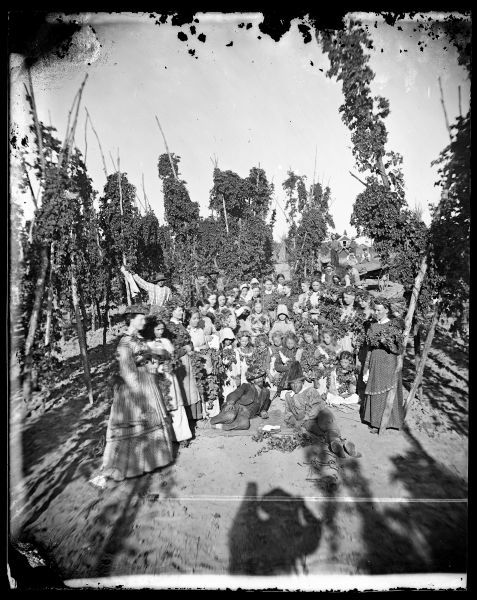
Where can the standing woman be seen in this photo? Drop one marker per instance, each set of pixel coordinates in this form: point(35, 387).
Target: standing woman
point(348, 314)
point(183, 348)
point(180, 424)
point(366, 314)
point(139, 434)
point(385, 344)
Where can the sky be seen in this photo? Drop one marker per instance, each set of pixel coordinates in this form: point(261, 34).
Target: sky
point(257, 102)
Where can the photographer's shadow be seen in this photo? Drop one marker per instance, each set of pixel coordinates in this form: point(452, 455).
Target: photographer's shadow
point(272, 534)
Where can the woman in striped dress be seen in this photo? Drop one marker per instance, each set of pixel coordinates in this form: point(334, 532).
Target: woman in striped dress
point(139, 433)
point(384, 346)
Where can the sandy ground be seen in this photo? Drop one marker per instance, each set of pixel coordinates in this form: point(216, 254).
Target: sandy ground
point(223, 507)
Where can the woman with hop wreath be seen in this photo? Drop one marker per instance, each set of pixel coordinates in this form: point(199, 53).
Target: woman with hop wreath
point(202, 364)
point(166, 378)
point(184, 349)
point(384, 340)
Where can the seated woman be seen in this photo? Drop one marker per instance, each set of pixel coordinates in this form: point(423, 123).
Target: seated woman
point(307, 354)
point(257, 322)
point(274, 351)
point(245, 352)
point(342, 381)
point(306, 409)
point(283, 323)
point(245, 403)
point(227, 312)
point(261, 355)
point(286, 356)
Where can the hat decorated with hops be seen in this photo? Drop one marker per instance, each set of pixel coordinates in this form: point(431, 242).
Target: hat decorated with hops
point(255, 371)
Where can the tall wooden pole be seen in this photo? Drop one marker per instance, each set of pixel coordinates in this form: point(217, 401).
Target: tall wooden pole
point(39, 291)
point(422, 362)
point(99, 143)
point(444, 109)
point(167, 149)
point(81, 335)
point(225, 215)
point(407, 328)
point(128, 290)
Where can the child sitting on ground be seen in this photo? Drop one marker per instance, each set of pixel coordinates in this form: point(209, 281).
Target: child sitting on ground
point(342, 381)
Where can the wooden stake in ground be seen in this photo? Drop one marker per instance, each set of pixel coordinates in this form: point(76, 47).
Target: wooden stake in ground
point(407, 328)
point(81, 335)
point(49, 308)
point(39, 291)
point(422, 363)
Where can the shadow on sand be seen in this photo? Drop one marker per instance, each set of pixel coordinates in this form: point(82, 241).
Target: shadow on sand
point(272, 534)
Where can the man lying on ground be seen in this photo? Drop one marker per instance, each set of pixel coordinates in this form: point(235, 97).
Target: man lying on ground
point(305, 409)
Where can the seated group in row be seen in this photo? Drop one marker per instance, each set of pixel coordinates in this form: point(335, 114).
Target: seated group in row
point(232, 355)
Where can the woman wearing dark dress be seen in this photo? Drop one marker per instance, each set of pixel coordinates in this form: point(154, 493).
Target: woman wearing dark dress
point(384, 346)
point(139, 434)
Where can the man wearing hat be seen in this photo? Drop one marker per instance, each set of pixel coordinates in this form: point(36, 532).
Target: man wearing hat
point(306, 408)
point(327, 275)
point(247, 401)
point(159, 293)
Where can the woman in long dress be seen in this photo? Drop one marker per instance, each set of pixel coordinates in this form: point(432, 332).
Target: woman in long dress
point(384, 347)
point(139, 433)
point(180, 424)
point(348, 313)
point(200, 342)
point(183, 348)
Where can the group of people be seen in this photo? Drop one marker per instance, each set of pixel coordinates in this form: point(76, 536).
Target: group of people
point(237, 351)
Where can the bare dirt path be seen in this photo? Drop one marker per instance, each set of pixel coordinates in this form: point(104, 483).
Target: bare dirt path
point(223, 507)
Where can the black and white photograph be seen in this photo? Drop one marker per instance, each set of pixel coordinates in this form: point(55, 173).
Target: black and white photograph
point(238, 300)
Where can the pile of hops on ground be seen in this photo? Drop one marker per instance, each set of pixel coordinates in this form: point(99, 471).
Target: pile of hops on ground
point(283, 443)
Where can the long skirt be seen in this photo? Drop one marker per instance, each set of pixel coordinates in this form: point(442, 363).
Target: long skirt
point(374, 405)
point(189, 392)
point(139, 434)
point(180, 423)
